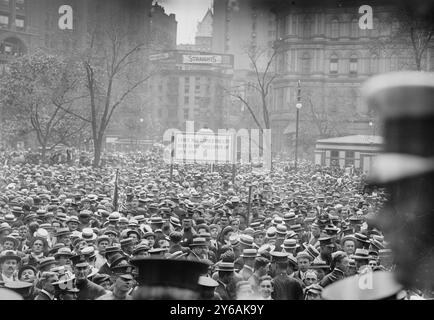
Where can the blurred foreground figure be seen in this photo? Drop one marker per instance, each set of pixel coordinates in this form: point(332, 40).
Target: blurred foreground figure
point(405, 101)
point(168, 279)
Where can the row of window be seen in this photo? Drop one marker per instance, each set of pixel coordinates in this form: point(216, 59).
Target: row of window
point(19, 4)
point(5, 20)
point(334, 61)
point(336, 28)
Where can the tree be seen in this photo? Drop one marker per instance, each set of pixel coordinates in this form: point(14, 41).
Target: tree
point(38, 93)
point(113, 69)
point(257, 88)
point(411, 33)
point(262, 79)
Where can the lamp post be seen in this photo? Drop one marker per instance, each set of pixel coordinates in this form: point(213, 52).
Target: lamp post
point(298, 106)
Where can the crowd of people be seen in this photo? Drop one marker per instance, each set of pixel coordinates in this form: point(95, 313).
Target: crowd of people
point(74, 232)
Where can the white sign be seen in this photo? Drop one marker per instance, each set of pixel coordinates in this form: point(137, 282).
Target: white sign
point(201, 59)
point(203, 148)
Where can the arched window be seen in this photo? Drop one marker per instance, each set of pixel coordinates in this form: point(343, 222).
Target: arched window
point(335, 28)
point(395, 26)
point(354, 28)
point(307, 28)
point(393, 65)
point(305, 63)
point(374, 66)
point(354, 65)
point(334, 62)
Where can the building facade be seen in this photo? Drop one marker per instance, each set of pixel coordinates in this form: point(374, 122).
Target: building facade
point(321, 44)
point(242, 25)
point(190, 87)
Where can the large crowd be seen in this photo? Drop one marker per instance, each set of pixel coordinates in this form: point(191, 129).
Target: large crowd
point(71, 231)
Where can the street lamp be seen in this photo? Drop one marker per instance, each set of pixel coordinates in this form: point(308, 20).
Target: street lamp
point(298, 106)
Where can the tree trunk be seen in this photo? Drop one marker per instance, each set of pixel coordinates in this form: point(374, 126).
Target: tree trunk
point(97, 146)
point(43, 152)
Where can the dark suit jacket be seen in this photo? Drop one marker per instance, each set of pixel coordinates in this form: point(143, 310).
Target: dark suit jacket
point(286, 288)
point(332, 277)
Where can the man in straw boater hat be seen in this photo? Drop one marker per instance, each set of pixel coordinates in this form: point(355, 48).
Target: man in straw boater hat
point(406, 169)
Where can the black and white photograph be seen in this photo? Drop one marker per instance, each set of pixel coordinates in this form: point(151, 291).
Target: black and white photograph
point(228, 150)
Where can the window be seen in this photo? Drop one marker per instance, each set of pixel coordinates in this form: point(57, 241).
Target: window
point(185, 113)
point(353, 65)
point(20, 4)
point(4, 19)
point(374, 64)
point(334, 158)
point(393, 63)
point(307, 28)
point(305, 63)
point(197, 79)
point(186, 100)
point(4, 3)
point(187, 90)
point(354, 28)
point(187, 80)
point(334, 64)
point(349, 158)
point(19, 22)
point(335, 28)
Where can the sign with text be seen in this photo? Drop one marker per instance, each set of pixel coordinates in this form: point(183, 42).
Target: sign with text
point(203, 148)
point(201, 59)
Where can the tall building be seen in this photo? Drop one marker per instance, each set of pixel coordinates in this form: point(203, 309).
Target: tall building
point(190, 87)
point(163, 29)
point(203, 39)
point(242, 25)
point(321, 45)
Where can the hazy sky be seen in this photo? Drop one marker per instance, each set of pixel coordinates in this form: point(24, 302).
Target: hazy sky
point(188, 14)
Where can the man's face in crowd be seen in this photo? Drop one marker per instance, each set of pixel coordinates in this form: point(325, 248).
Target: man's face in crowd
point(214, 233)
point(106, 285)
point(310, 278)
point(81, 272)
point(235, 225)
point(102, 245)
point(265, 288)
point(9, 266)
point(122, 225)
point(28, 275)
point(73, 226)
point(303, 264)
point(124, 284)
point(22, 231)
point(344, 264)
point(134, 237)
point(38, 246)
point(65, 240)
point(86, 205)
point(349, 247)
point(151, 240)
point(259, 239)
point(186, 223)
point(8, 245)
point(81, 245)
point(316, 232)
point(63, 260)
point(264, 270)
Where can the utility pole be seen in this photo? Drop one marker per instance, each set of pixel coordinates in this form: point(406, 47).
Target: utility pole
point(298, 106)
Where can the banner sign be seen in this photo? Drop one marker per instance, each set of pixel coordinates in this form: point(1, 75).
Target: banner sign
point(201, 59)
point(204, 148)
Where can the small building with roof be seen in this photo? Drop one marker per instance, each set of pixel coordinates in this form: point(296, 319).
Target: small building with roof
point(355, 151)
